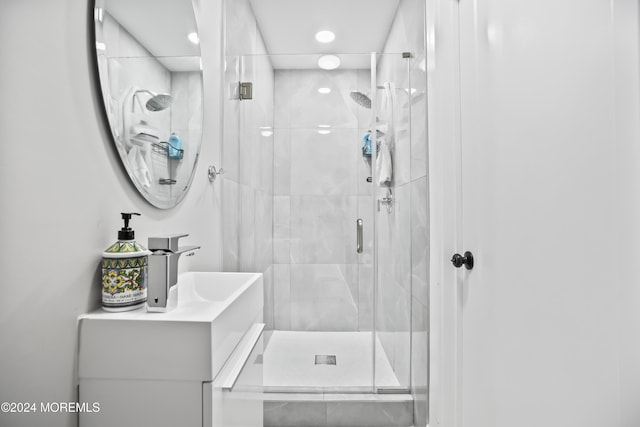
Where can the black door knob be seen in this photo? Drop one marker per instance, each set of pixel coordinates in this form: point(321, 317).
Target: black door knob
point(460, 260)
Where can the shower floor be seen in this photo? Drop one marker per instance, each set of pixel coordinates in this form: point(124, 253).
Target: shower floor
point(289, 363)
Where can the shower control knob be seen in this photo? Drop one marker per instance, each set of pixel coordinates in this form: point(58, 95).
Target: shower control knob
point(460, 260)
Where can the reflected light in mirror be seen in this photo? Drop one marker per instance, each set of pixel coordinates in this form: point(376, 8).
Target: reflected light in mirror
point(328, 62)
point(193, 38)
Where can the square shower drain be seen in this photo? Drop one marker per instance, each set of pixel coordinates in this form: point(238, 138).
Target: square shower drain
point(328, 359)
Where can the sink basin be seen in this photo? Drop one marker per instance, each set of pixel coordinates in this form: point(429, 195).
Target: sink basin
point(197, 287)
point(190, 342)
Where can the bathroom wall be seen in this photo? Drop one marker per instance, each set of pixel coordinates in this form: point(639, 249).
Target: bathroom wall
point(403, 288)
point(63, 187)
point(320, 188)
point(248, 150)
point(626, 19)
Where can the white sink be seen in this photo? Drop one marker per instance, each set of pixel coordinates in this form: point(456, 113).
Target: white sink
point(190, 342)
point(197, 287)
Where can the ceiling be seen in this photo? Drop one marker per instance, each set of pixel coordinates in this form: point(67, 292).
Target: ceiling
point(288, 27)
point(161, 26)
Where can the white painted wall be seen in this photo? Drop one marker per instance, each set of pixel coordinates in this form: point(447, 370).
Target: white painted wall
point(62, 188)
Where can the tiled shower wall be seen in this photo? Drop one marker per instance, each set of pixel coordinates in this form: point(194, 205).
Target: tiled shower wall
point(187, 118)
point(248, 151)
point(320, 190)
point(403, 288)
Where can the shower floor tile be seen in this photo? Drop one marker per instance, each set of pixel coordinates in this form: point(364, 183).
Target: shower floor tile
point(289, 362)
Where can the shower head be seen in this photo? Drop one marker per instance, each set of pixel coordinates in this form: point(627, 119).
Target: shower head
point(361, 99)
point(158, 101)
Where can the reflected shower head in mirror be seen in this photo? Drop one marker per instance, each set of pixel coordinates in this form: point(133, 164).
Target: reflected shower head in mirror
point(157, 102)
point(361, 99)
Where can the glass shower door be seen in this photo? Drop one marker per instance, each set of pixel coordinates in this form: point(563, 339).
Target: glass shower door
point(301, 202)
point(323, 293)
point(392, 212)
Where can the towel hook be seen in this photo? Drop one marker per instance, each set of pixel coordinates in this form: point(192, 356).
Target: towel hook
point(212, 173)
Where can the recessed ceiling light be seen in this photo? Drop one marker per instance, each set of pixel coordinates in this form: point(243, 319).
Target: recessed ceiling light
point(328, 62)
point(324, 90)
point(324, 126)
point(193, 38)
point(324, 132)
point(325, 36)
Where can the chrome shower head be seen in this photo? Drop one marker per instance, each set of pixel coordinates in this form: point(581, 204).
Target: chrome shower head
point(158, 101)
point(361, 99)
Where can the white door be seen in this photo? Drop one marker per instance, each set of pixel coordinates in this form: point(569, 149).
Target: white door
point(537, 344)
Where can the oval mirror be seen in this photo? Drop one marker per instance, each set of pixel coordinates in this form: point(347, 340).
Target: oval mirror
point(148, 59)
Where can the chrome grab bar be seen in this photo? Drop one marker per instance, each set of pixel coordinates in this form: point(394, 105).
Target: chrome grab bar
point(359, 236)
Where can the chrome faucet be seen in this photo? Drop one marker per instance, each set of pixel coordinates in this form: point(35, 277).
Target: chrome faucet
point(163, 270)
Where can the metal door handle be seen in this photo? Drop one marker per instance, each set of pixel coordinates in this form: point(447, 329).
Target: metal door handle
point(359, 235)
point(466, 260)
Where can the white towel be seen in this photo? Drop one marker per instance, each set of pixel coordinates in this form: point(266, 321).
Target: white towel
point(127, 117)
point(383, 164)
point(144, 129)
point(139, 167)
point(384, 170)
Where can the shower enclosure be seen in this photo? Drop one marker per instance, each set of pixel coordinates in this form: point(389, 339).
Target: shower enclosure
point(306, 205)
point(341, 242)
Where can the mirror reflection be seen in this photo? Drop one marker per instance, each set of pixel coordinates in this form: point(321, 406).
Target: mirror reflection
point(150, 72)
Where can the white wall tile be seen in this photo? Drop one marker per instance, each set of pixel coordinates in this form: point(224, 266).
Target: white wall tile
point(282, 296)
point(420, 360)
point(323, 229)
point(282, 99)
point(324, 297)
point(241, 28)
point(324, 164)
point(420, 241)
point(282, 162)
point(230, 224)
point(309, 108)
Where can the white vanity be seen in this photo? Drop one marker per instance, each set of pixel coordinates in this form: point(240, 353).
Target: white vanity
point(199, 364)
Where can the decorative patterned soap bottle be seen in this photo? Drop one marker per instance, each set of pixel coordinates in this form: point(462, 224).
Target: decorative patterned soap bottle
point(124, 271)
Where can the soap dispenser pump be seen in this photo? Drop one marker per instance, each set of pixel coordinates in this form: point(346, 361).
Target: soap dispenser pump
point(124, 271)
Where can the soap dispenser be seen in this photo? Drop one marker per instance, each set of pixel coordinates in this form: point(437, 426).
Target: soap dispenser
point(124, 271)
point(175, 150)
